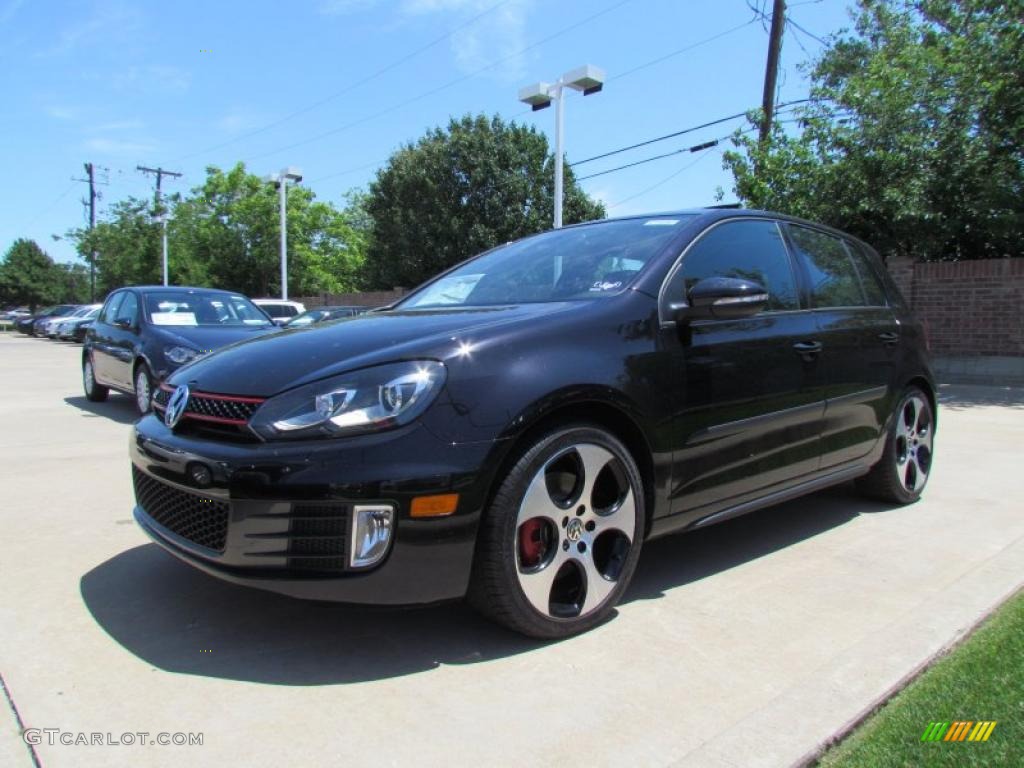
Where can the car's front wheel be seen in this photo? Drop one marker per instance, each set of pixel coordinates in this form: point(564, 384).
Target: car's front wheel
point(561, 539)
point(902, 473)
point(94, 392)
point(143, 389)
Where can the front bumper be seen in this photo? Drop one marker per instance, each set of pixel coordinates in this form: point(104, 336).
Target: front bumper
point(277, 516)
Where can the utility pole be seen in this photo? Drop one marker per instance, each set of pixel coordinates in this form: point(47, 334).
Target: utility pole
point(90, 171)
point(771, 71)
point(161, 214)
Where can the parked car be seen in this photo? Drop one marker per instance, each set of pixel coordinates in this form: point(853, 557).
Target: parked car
point(51, 327)
point(11, 315)
point(67, 329)
point(515, 429)
point(81, 330)
point(143, 334)
point(37, 325)
point(280, 311)
point(321, 314)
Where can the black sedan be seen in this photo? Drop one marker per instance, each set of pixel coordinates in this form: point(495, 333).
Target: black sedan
point(145, 333)
point(323, 314)
point(515, 429)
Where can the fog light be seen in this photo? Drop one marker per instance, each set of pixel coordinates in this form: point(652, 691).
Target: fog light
point(371, 533)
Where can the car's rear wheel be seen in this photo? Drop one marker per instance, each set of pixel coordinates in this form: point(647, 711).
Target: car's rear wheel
point(561, 539)
point(143, 389)
point(902, 473)
point(97, 393)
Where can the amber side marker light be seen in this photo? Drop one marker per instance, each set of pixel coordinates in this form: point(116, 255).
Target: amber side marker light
point(434, 506)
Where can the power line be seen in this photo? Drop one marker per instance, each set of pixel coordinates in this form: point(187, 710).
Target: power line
point(664, 181)
point(695, 148)
point(446, 86)
point(349, 88)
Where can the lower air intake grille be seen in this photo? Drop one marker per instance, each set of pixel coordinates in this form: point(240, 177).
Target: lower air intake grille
point(318, 537)
point(200, 519)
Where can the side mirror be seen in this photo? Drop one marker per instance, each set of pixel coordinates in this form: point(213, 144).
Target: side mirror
point(724, 298)
point(123, 322)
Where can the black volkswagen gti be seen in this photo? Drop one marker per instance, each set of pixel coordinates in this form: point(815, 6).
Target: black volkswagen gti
point(513, 430)
point(144, 333)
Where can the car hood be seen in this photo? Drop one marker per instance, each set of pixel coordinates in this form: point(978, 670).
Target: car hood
point(295, 356)
point(207, 338)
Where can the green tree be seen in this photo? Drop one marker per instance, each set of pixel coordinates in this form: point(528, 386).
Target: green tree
point(227, 233)
point(127, 246)
point(459, 191)
point(914, 138)
point(29, 276)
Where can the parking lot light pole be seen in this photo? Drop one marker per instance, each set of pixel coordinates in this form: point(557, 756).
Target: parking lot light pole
point(281, 179)
point(588, 79)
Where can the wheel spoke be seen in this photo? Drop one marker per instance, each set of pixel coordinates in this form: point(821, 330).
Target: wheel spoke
point(537, 584)
point(623, 518)
point(598, 587)
point(920, 475)
point(593, 459)
point(537, 502)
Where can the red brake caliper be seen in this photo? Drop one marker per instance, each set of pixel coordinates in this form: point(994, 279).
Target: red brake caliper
point(532, 542)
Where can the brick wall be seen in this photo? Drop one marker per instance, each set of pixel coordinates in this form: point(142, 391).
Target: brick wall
point(364, 299)
point(972, 308)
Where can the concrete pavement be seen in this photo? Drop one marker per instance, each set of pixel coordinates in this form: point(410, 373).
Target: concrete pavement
point(745, 644)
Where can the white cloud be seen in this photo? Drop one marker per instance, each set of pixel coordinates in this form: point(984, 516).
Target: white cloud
point(160, 78)
point(496, 35)
point(110, 23)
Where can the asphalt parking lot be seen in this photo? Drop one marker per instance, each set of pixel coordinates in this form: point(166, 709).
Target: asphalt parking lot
point(745, 644)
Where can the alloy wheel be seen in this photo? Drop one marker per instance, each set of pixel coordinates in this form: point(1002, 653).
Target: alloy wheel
point(914, 443)
point(574, 529)
point(88, 377)
point(142, 390)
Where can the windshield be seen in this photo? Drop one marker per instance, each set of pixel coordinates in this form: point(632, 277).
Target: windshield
point(202, 308)
point(588, 262)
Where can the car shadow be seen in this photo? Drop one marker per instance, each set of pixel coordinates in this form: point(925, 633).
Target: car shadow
point(118, 407)
point(181, 620)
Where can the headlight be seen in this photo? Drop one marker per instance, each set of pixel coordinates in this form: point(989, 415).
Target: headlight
point(362, 401)
point(180, 355)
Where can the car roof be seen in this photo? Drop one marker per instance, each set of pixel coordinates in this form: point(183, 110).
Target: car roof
point(176, 288)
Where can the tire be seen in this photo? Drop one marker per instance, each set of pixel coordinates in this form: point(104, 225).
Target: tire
point(901, 474)
point(560, 541)
point(94, 392)
point(142, 381)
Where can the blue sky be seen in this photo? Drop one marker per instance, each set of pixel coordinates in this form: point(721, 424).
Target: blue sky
point(334, 86)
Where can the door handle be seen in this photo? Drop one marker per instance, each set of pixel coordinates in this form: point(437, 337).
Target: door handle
point(889, 338)
point(808, 350)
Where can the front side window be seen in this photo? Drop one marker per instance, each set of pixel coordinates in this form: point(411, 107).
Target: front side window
point(579, 263)
point(129, 309)
point(201, 308)
point(749, 249)
point(108, 314)
point(833, 277)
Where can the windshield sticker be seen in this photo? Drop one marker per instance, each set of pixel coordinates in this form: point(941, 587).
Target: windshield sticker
point(604, 285)
point(661, 222)
point(450, 290)
point(174, 318)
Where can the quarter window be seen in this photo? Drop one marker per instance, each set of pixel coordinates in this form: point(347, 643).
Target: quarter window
point(833, 277)
point(752, 250)
point(869, 278)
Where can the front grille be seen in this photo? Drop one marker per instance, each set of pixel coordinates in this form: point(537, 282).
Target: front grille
point(318, 536)
point(226, 411)
point(220, 408)
point(199, 519)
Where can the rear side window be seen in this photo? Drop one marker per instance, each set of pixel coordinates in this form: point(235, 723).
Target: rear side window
point(752, 250)
point(870, 280)
point(108, 313)
point(833, 276)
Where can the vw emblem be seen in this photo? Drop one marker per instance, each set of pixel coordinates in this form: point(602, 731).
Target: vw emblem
point(176, 406)
point(575, 529)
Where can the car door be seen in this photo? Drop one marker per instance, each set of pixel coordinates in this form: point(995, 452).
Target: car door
point(751, 390)
point(124, 336)
point(101, 340)
point(861, 339)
